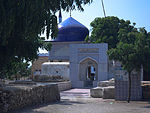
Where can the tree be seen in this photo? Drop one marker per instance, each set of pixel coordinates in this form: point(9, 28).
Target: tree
point(106, 30)
point(19, 69)
point(22, 22)
point(142, 46)
point(132, 52)
point(127, 44)
point(125, 53)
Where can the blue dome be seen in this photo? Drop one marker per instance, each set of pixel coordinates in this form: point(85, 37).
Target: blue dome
point(71, 30)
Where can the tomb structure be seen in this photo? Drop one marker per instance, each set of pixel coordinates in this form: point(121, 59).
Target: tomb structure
point(84, 64)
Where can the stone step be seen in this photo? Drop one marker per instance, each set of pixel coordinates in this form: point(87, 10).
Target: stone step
point(96, 92)
point(103, 92)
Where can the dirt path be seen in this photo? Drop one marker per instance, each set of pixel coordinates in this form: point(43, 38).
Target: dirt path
point(79, 101)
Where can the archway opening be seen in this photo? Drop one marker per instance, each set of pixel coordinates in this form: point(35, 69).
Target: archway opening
point(91, 73)
point(88, 72)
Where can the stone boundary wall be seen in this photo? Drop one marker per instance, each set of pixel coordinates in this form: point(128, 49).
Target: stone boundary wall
point(146, 91)
point(62, 86)
point(121, 88)
point(15, 97)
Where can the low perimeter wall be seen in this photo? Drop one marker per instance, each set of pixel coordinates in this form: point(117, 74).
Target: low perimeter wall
point(146, 92)
point(15, 96)
point(62, 86)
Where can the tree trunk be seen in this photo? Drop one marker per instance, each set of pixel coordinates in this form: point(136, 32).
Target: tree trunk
point(141, 72)
point(129, 87)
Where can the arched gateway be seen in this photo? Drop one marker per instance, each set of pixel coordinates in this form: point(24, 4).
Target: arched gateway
point(88, 64)
point(88, 71)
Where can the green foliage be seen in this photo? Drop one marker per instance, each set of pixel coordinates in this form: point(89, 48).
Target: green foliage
point(109, 30)
point(47, 46)
point(22, 22)
point(142, 46)
point(124, 53)
point(132, 51)
point(18, 67)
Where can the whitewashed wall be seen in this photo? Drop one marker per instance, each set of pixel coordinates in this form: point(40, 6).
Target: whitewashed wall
point(56, 69)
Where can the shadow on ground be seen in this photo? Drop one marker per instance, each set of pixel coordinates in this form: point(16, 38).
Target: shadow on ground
point(31, 109)
point(69, 102)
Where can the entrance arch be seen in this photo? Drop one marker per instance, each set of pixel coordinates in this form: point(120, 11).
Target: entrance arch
point(88, 71)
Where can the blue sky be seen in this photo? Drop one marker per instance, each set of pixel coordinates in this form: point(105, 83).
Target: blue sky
point(137, 11)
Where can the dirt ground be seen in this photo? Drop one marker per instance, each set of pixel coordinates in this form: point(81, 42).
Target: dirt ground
point(79, 101)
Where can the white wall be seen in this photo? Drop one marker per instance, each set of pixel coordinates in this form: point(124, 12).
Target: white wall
point(79, 52)
point(56, 69)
